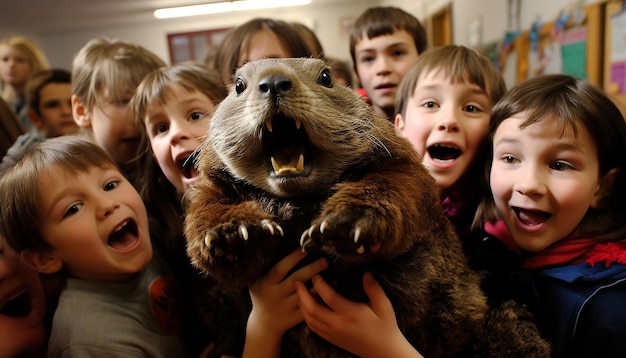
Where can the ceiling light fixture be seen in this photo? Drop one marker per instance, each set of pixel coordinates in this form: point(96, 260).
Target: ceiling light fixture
point(227, 6)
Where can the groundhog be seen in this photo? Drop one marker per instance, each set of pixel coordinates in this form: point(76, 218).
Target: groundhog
point(292, 159)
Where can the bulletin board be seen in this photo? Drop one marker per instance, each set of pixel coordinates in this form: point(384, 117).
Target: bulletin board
point(572, 45)
point(615, 52)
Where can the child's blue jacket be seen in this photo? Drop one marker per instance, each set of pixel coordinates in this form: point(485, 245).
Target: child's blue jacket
point(581, 309)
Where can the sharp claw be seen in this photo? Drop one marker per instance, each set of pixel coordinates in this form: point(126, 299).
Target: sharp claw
point(360, 250)
point(323, 226)
point(243, 232)
point(302, 238)
point(267, 225)
point(208, 239)
point(280, 230)
point(357, 234)
point(311, 229)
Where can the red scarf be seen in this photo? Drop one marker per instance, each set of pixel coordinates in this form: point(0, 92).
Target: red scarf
point(564, 252)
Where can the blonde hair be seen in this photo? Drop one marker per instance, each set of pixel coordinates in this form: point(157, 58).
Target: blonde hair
point(110, 68)
point(35, 57)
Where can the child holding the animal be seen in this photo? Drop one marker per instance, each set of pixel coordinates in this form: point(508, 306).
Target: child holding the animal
point(558, 184)
point(70, 209)
point(443, 108)
point(173, 107)
point(317, 164)
point(384, 43)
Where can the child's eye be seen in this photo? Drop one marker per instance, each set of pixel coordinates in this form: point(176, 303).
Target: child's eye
point(430, 104)
point(561, 166)
point(398, 53)
point(111, 185)
point(160, 128)
point(366, 59)
point(472, 108)
point(194, 116)
point(509, 159)
point(73, 209)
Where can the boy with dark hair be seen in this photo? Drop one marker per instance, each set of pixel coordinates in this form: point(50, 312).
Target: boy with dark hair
point(384, 44)
point(48, 97)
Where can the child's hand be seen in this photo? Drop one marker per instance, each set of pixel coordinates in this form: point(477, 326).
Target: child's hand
point(367, 330)
point(275, 305)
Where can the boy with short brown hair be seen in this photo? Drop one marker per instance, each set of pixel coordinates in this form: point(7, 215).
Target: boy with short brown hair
point(384, 44)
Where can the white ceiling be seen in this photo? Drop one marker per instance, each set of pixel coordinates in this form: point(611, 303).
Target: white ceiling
point(53, 16)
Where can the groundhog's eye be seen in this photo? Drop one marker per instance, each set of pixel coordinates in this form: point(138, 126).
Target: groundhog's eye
point(240, 85)
point(325, 79)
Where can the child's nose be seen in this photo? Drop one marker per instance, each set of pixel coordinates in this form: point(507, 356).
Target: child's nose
point(448, 122)
point(529, 182)
point(106, 207)
point(177, 132)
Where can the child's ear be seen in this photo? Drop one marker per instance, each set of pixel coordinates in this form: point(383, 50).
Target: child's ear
point(81, 117)
point(398, 122)
point(41, 261)
point(35, 118)
point(605, 188)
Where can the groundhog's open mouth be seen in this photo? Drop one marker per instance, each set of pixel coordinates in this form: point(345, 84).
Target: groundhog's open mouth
point(284, 141)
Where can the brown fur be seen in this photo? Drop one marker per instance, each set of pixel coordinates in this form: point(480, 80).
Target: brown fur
point(358, 176)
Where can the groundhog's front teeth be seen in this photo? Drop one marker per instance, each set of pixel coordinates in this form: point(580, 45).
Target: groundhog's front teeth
point(288, 168)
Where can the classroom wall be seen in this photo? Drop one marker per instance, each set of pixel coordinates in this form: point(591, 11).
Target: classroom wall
point(490, 14)
point(61, 47)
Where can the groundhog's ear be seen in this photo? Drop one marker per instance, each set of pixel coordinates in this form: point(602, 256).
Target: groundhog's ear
point(41, 261)
point(606, 187)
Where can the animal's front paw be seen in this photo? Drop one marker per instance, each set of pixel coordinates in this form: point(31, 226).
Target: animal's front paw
point(236, 253)
point(352, 231)
point(226, 242)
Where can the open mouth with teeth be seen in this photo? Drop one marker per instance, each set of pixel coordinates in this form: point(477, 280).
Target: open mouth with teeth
point(531, 217)
point(187, 165)
point(284, 142)
point(19, 306)
point(124, 235)
point(444, 153)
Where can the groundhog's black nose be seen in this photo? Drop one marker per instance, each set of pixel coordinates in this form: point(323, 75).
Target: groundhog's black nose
point(275, 86)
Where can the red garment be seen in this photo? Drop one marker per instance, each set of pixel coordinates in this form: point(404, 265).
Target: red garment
point(563, 252)
point(363, 94)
